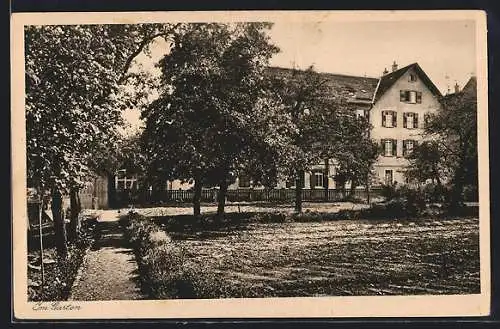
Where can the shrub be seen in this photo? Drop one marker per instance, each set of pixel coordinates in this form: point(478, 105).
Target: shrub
point(435, 193)
point(389, 192)
point(471, 193)
point(414, 201)
point(164, 269)
point(60, 276)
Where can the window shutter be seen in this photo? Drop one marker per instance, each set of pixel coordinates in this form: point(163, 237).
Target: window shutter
point(419, 97)
point(313, 179)
point(394, 119)
point(402, 96)
point(415, 120)
point(394, 147)
point(382, 147)
point(404, 147)
point(404, 120)
point(383, 119)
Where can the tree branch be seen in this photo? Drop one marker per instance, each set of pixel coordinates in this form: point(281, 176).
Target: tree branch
point(141, 47)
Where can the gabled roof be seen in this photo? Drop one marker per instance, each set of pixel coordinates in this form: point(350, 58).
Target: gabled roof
point(469, 88)
point(386, 81)
point(355, 89)
point(471, 85)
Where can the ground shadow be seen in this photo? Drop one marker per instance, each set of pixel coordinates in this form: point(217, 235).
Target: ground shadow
point(109, 234)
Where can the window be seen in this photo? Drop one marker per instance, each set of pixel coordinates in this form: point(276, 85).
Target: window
point(389, 147)
point(389, 119)
point(408, 146)
point(412, 77)
point(410, 96)
point(388, 177)
point(410, 120)
point(317, 179)
point(290, 182)
point(426, 120)
point(124, 182)
point(243, 181)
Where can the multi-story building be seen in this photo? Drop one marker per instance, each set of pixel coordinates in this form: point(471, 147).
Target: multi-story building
point(398, 112)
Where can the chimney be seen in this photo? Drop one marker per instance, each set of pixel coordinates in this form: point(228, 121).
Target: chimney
point(385, 71)
point(394, 66)
point(457, 88)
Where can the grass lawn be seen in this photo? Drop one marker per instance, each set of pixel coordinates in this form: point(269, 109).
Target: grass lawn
point(247, 207)
point(340, 258)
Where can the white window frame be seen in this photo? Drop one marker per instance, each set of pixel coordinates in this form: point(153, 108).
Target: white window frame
point(389, 122)
point(408, 116)
point(388, 148)
point(128, 182)
point(409, 149)
point(385, 176)
point(318, 174)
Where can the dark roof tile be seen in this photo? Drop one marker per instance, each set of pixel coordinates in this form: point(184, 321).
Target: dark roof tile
point(386, 81)
point(351, 87)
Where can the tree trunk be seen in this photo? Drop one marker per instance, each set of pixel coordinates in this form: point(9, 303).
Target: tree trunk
point(221, 199)
point(352, 192)
point(340, 185)
point(111, 191)
point(327, 172)
point(197, 197)
point(75, 208)
point(367, 189)
point(59, 226)
point(298, 191)
point(457, 190)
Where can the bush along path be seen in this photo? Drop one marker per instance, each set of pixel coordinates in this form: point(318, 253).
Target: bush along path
point(109, 270)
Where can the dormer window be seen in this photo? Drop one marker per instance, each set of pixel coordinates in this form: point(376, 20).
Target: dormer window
point(412, 77)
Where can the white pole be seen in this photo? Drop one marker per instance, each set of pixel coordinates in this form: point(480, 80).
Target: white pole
point(40, 210)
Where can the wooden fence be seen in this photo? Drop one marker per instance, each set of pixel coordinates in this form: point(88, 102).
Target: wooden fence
point(125, 198)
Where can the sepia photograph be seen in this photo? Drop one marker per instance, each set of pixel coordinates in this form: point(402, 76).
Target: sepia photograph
point(251, 164)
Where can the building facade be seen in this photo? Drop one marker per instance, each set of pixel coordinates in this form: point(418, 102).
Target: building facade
point(401, 103)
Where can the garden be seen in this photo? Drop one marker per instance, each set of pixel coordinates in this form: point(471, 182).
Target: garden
point(283, 254)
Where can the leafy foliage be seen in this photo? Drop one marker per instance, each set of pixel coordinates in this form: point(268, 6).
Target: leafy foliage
point(453, 155)
point(75, 77)
point(75, 91)
point(214, 118)
point(324, 127)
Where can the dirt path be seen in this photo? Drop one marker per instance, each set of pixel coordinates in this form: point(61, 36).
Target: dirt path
point(109, 271)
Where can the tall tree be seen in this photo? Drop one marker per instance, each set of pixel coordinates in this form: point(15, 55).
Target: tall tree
point(356, 152)
point(325, 128)
point(454, 130)
point(302, 94)
point(74, 75)
point(202, 127)
point(426, 162)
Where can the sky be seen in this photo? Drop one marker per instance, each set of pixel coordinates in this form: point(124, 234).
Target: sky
point(444, 49)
